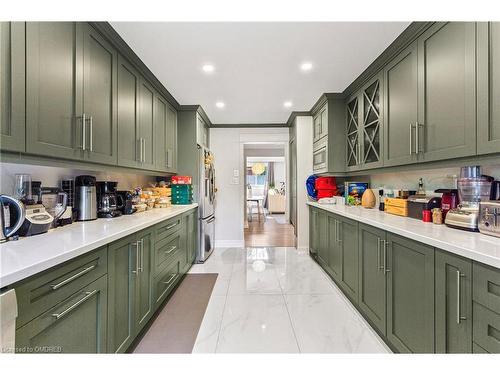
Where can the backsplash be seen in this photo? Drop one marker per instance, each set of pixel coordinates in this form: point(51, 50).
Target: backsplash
point(433, 178)
point(52, 176)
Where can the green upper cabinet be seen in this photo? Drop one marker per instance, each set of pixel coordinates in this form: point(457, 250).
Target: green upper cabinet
point(128, 114)
point(372, 276)
point(160, 135)
point(372, 123)
point(320, 123)
point(488, 87)
point(12, 89)
point(447, 91)
point(54, 123)
point(171, 141)
point(354, 119)
point(410, 295)
point(202, 132)
point(146, 126)
point(100, 61)
point(453, 303)
point(401, 108)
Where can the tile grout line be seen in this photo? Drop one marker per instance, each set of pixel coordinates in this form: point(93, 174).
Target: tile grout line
point(224, 308)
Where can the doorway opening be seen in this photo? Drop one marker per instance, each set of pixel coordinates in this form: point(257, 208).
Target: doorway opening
point(266, 205)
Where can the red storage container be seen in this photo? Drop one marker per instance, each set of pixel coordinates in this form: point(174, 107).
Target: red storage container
point(181, 180)
point(328, 183)
point(326, 193)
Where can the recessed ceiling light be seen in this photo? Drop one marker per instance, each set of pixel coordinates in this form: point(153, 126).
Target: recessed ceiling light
point(220, 104)
point(208, 68)
point(306, 66)
point(287, 104)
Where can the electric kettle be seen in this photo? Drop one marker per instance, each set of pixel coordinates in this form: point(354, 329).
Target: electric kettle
point(12, 215)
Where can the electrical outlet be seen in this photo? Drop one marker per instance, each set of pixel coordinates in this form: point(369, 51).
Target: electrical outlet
point(236, 173)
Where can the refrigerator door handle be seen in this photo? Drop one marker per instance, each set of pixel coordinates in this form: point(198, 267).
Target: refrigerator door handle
point(211, 220)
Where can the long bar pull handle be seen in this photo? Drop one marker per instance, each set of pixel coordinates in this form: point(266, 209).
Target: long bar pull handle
point(144, 150)
point(411, 139)
point(171, 226)
point(459, 318)
point(84, 125)
point(141, 268)
point(136, 244)
point(170, 279)
point(88, 295)
point(172, 248)
point(386, 270)
point(91, 131)
point(378, 254)
point(70, 279)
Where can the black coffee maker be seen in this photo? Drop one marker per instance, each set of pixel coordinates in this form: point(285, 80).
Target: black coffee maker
point(107, 202)
point(125, 202)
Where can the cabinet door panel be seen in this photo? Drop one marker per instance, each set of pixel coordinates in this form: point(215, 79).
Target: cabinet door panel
point(171, 142)
point(99, 96)
point(453, 311)
point(146, 122)
point(322, 237)
point(410, 295)
point(76, 325)
point(447, 95)
point(348, 233)
point(334, 249)
point(160, 126)
point(372, 279)
point(144, 293)
point(488, 87)
point(12, 86)
point(128, 121)
point(372, 124)
point(354, 120)
point(400, 108)
point(53, 89)
point(121, 281)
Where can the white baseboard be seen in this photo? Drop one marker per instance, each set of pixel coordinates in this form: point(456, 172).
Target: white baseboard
point(229, 243)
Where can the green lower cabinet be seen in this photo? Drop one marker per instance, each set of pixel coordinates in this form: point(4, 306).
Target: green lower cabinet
point(191, 237)
point(122, 279)
point(334, 250)
point(76, 325)
point(348, 241)
point(323, 238)
point(144, 279)
point(372, 277)
point(453, 303)
point(313, 231)
point(410, 295)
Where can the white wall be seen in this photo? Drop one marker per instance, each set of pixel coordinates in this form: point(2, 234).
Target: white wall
point(304, 143)
point(227, 144)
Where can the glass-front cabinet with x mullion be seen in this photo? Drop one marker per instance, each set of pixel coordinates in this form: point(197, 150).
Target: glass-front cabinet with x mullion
point(364, 126)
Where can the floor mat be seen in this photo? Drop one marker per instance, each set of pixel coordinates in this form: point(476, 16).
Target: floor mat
point(175, 328)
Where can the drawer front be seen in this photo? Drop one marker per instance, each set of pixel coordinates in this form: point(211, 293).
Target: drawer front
point(486, 328)
point(320, 156)
point(165, 282)
point(47, 289)
point(75, 325)
point(168, 227)
point(486, 286)
point(166, 250)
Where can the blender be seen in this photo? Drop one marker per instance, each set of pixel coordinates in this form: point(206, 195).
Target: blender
point(472, 189)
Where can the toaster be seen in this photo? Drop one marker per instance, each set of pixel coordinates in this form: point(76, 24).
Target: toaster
point(489, 218)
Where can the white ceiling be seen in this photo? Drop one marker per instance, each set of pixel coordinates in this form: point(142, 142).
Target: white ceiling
point(256, 64)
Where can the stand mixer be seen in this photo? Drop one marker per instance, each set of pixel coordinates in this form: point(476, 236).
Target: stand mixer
point(472, 189)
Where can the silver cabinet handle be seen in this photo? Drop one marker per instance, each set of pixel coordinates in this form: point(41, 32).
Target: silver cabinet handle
point(417, 137)
point(91, 131)
point(87, 296)
point(459, 318)
point(136, 244)
point(141, 268)
point(84, 125)
point(172, 248)
point(172, 225)
point(338, 232)
point(143, 150)
point(378, 254)
point(411, 139)
point(170, 279)
point(386, 270)
point(70, 279)
point(167, 164)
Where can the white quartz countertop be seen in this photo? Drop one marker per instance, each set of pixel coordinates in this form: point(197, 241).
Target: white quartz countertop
point(475, 246)
point(29, 255)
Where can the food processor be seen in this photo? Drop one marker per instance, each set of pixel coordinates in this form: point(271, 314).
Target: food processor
point(473, 188)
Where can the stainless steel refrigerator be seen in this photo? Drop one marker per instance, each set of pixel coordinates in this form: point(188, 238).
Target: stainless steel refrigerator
point(206, 201)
